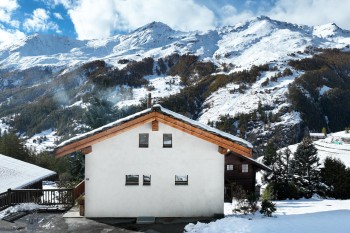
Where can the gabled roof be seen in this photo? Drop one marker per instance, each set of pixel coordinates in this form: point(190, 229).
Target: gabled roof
point(17, 174)
point(251, 160)
point(163, 115)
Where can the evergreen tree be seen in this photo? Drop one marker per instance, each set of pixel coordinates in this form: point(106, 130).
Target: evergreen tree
point(306, 168)
point(12, 146)
point(78, 166)
point(270, 154)
point(100, 112)
point(281, 177)
point(337, 178)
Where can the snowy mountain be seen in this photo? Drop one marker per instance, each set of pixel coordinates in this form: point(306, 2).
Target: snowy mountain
point(61, 75)
point(257, 41)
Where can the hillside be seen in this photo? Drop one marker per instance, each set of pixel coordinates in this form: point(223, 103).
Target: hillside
point(258, 80)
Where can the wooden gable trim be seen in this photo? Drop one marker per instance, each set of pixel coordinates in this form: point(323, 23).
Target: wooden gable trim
point(208, 136)
point(108, 133)
point(153, 117)
point(155, 125)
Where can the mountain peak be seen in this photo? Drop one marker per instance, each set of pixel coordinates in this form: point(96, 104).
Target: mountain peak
point(159, 26)
point(328, 30)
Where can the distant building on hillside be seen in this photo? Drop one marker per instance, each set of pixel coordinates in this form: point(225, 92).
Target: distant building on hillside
point(317, 136)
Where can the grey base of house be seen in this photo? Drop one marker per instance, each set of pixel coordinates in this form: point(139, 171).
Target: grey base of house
point(145, 220)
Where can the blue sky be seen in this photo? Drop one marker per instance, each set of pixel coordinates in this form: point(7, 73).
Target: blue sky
point(89, 19)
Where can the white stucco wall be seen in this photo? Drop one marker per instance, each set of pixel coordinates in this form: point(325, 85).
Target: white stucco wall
point(112, 159)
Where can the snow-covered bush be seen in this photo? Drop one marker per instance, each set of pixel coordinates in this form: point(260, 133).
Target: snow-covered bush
point(267, 208)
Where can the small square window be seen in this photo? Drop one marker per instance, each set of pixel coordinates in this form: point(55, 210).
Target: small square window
point(229, 167)
point(143, 140)
point(146, 179)
point(181, 180)
point(167, 140)
point(132, 180)
point(244, 168)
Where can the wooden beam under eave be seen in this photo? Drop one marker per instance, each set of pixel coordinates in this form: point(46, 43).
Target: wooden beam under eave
point(155, 125)
point(86, 150)
point(222, 150)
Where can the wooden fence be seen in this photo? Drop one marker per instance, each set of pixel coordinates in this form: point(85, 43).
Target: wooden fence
point(39, 196)
point(65, 197)
point(79, 189)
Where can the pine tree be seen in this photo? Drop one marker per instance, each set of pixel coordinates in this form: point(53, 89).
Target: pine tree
point(270, 154)
point(100, 112)
point(306, 168)
point(336, 176)
point(281, 178)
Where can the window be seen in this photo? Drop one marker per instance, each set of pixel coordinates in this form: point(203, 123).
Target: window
point(181, 180)
point(167, 140)
point(143, 140)
point(146, 179)
point(229, 167)
point(132, 180)
point(244, 168)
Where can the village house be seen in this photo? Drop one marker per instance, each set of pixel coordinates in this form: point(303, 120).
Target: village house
point(17, 174)
point(157, 163)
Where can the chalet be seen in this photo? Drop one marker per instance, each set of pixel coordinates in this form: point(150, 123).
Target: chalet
point(241, 170)
point(16, 174)
point(155, 163)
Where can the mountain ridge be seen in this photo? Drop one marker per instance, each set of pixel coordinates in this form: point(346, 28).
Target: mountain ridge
point(246, 67)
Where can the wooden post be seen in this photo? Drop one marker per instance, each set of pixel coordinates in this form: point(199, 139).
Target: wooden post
point(9, 197)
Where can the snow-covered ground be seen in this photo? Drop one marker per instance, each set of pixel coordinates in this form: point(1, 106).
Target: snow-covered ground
point(294, 216)
point(313, 215)
point(19, 208)
point(160, 87)
point(333, 146)
point(43, 141)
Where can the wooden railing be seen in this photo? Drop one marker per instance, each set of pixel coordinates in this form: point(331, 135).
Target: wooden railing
point(39, 196)
point(79, 189)
point(4, 200)
point(42, 196)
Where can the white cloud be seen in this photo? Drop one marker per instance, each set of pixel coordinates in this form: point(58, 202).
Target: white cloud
point(8, 35)
point(40, 21)
point(7, 7)
point(58, 15)
point(312, 12)
point(230, 15)
point(66, 3)
point(98, 19)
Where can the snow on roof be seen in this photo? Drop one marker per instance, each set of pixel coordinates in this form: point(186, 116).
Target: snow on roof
point(317, 135)
point(159, 108)
point(16, 174)
point(204, 126)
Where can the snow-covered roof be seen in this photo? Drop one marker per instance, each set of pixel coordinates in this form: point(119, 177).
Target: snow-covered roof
point(317, 135)
point(160, 109)
point(16, 174)
point(255, 162)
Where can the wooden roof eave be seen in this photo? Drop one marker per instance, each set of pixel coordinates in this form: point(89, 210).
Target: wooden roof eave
point(205, 135)
point(149, 117)
point(103, 135)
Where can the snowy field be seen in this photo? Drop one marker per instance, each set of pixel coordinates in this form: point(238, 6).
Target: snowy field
point(333, 146)
point(296, 216)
